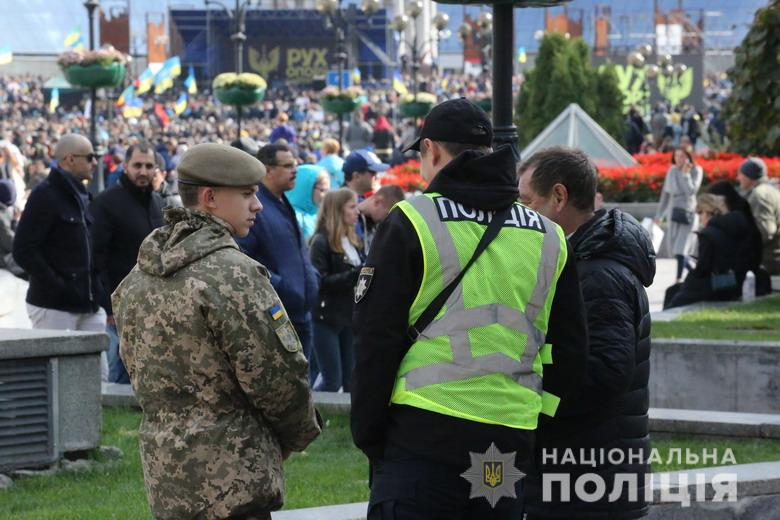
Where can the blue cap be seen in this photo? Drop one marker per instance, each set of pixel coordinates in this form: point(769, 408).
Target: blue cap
point(363, 160)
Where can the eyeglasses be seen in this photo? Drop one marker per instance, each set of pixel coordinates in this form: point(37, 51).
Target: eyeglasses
point(89, 156)
point(289, 166)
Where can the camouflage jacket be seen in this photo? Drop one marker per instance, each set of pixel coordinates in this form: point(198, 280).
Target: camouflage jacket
point(217, 369)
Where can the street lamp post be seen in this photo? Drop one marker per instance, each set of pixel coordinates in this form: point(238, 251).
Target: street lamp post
point(402, 21)
point(334, 17)
point(238, 17)
point(96, 184)
point(504, 129)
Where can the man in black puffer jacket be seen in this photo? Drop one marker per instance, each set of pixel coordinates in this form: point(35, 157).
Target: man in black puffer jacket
point(608, 421)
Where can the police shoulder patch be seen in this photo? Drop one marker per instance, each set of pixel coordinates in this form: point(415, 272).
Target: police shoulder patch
point(363, 283)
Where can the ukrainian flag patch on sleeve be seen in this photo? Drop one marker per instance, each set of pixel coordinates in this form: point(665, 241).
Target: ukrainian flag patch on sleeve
point(276, 312)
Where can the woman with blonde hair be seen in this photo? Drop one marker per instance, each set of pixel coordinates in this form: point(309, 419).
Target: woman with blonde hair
point(336, 253)
point(723, 257)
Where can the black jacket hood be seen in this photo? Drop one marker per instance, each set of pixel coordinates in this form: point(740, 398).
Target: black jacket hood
point(733, 224)
point(479, 180)
point(617, 236)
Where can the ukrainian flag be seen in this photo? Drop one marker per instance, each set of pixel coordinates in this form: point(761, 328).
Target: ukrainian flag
point(174, 66)
point(133, 108)
point(522, 56)
point(6, 56)
point(163, 80)
point(145, 81)
point(181, 104)
point(356, 76)
point(54, 102)
point(398, 84)
point(73, 40)
point(192, 86)
point(276, 312)
point(126, 94)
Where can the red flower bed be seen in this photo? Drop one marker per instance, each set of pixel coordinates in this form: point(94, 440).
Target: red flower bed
point(640, 183)
point(644, 182)
point(406, 175)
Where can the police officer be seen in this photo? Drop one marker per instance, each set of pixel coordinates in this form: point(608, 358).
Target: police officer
point(213, 358)
point(447, 409)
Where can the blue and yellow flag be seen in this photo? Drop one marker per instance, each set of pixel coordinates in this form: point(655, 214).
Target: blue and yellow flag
point(163, 80)
point(6, 56)
point(134, 107)
point(54, 102)
point(174, 66)
point(145, 81)
point(189, 83)
point(276, 312)
point(356, 76)
point(398, 84)
point(74, 41)
point(181, 104)
point(128, 93)
point(522, 57)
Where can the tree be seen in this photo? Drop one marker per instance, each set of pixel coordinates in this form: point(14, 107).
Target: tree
point(564, 75)
point(751, 112)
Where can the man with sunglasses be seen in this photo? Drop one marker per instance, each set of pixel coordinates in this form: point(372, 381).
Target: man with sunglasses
point(276, 241)
point(123, 215)
point(53, 245)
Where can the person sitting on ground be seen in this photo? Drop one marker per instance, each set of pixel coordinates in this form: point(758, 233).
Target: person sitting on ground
point(735, 202)
point(723, 257)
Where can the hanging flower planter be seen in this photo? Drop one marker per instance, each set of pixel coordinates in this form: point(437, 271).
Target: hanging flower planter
point(341, 102)
point(418, 106)
point(103, 67)
point(340, 106)
point(239, 89)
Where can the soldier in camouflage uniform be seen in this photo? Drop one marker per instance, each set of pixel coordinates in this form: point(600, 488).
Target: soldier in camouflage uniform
point(214, 361)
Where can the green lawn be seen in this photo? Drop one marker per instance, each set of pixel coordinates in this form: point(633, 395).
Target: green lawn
point(331, 471)
point(745, 451)
point(755, 321)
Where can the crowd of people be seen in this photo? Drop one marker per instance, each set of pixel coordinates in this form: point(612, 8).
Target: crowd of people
point(412, 317)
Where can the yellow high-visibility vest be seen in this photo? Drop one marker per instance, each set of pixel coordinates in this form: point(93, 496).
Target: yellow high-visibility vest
point(481, 358)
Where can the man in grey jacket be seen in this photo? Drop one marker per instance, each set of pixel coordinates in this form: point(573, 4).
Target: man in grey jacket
point(764, 200)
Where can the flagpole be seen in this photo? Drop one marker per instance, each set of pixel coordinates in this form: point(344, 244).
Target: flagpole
point(96, 184)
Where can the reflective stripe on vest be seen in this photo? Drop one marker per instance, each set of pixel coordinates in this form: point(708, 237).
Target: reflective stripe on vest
point(457, 320)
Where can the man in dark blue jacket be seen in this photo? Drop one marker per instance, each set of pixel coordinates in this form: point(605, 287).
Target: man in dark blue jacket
point(615, 259)
point(276, 241)
point(53, 245)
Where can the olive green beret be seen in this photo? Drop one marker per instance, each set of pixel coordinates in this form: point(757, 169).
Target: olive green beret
point(212, 164)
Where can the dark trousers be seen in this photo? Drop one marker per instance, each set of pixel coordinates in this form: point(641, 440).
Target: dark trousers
point(305, 331)
point(407, 488)
point(335, 356)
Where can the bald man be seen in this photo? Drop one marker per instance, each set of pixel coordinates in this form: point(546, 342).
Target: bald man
point(53, 245)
